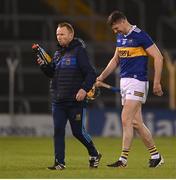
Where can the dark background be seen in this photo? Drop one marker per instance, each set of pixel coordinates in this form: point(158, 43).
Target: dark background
point(23, 22)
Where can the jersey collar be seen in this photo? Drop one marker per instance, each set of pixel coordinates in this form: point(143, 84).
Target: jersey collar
point(130, 31)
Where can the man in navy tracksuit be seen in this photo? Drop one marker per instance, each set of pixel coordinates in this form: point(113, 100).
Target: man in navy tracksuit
point(72, 77)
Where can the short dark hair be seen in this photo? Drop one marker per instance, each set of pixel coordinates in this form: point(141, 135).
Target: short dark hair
point(115, 16)
point(67, 25)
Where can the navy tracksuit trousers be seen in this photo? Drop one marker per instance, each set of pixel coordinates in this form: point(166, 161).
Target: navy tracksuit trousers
point(76, 115)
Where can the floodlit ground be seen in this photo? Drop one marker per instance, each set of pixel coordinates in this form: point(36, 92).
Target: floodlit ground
point(24, 157)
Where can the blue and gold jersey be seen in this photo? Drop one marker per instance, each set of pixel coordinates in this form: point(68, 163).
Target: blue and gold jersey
point(132, 54)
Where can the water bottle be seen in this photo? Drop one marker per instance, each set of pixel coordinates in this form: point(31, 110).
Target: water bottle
point(41, 53)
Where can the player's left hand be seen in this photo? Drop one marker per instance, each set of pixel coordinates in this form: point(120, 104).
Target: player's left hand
point(81, 95)
point(157, 89)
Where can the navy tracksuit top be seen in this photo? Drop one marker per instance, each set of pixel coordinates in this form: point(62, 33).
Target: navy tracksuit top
point(69, 71)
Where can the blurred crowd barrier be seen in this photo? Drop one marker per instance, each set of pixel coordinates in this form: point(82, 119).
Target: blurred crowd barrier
point(100, 122)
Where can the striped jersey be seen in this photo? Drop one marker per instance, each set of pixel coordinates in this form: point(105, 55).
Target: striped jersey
point(132, 55)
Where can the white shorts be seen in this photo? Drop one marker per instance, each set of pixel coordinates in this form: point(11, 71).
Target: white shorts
point(133, 89)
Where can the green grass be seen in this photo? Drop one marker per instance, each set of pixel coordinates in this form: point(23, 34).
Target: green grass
point(22, 157)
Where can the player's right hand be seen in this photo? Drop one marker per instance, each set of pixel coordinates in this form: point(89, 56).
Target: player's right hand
point(99, 78)
point(98, 83)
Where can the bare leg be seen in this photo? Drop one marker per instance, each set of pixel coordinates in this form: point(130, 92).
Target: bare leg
point(128, 115)
point(142, 130)
point(132, 118)
point(156, 159)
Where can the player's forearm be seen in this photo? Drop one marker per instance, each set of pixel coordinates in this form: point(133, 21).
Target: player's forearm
point(109, 69)
point(158, 65)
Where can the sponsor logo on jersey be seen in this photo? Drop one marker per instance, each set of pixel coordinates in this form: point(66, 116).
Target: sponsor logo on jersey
point(131, 52)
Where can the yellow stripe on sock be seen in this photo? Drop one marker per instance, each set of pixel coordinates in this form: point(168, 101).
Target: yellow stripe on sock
point(153, 150)
point(124, 153)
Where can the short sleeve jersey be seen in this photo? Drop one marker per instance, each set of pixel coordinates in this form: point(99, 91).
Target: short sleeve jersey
point(132, 54)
